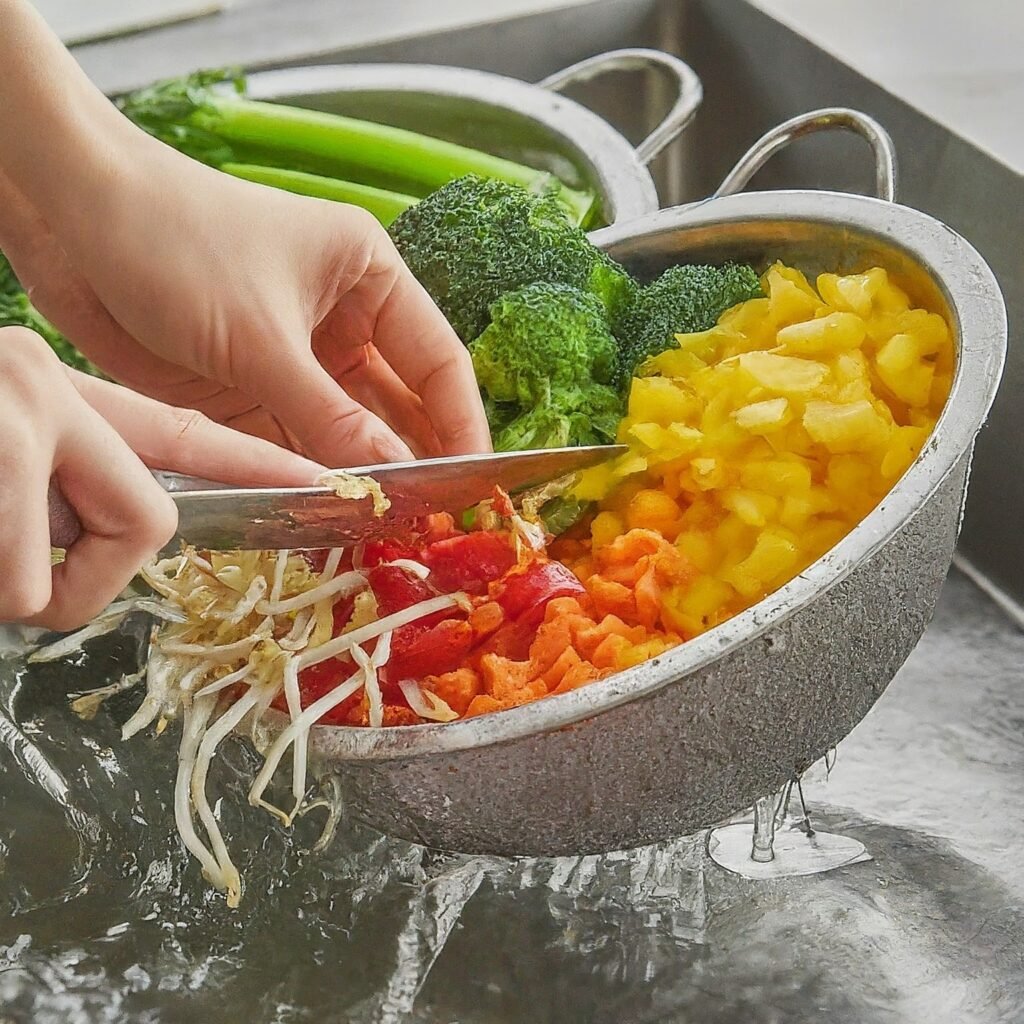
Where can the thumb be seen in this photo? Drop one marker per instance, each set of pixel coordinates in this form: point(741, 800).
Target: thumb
point(329, 425)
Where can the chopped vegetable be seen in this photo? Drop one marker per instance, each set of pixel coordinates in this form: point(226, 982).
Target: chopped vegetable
point(683, 300)
point(757, 445)
point(543, 363)
point(208, 116)
point(345, 485)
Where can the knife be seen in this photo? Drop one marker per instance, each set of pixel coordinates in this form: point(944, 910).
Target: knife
point(214, 517)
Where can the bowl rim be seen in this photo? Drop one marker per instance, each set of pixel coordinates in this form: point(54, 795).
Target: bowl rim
point(976, 305)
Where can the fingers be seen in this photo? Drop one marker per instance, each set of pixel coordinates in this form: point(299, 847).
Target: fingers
point(47, 430)
point(329, 425)
point(126, 517)
point(186, 441)
point(24, 534)
point(366, 376)
point(27, 442)
point(413, 336)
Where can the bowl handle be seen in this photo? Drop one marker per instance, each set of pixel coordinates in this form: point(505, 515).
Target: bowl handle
point(689, 91)
point(807, 124)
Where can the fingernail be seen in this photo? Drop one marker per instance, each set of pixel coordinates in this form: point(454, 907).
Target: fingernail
point(388, 449)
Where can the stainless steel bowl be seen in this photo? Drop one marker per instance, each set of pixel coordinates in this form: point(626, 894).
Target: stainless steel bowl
point(518, 120)
point(677, 744)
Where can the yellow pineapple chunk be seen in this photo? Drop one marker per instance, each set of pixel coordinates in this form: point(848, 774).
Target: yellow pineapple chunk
point(836, 332)
point(763, 417)
point(605, 528)
point(852, 427)
point(775, 554)
point(902, 370)
point(661, 400)
point(752, 507)
point(699, 606)
point(778, 477)
point(751, 319)
point(708, 472)
point(851, 367)
point(699, 549)
point(903, 448)
point(853, 293)
point(674, 362)
point(788, 302)
point(929, 330)
point(786, 375)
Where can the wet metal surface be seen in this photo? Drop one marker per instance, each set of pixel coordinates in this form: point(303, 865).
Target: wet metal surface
point(106, 920)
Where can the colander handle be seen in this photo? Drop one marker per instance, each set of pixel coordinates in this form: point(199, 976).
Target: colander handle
point(827, 119)
point(689, 91)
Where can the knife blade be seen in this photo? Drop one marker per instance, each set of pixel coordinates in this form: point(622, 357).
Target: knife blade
point(214, 517)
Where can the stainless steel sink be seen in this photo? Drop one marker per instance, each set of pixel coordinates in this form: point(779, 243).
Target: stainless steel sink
point(107, 921)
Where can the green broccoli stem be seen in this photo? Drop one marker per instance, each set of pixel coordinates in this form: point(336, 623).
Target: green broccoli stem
point(377, 148)
point(384, 205)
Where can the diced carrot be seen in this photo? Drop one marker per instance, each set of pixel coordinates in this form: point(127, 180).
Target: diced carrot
point(533, 690)
point(578, 676)
point(652, 510)
point(612, 598)
point(562, 606)
point(503, 677)
point(630, 547)
point(485, 619)
point(565, 661)
point(608, 652)
point(673, 566)
point(395, 714)
point(457, 689)
point(483, 705)
point(553, 638)
point(647, 594)
point(588, 640)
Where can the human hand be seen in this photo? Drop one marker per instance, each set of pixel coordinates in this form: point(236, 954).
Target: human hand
point(94, 440)
point(290, 318)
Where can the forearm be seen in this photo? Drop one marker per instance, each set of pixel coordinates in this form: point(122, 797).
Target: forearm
point(62, 143)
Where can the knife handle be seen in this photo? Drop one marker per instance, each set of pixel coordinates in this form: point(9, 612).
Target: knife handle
point(65, 527)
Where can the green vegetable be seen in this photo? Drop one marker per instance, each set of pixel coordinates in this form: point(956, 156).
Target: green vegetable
point(560, 514)
point(543, 363)
point(17, 311)
point(384, 205)
point(583, 416)
point(474, 240)
point(681, 301)
point(540, 338)
point(207, 116)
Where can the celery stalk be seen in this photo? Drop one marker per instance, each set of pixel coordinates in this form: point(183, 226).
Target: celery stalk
point(384, 205)
point(198, 116)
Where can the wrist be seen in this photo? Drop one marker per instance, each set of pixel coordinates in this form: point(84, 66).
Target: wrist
point(62, 143)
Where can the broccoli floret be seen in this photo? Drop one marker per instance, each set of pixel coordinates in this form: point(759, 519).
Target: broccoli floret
point(16, 310)
point(681, 301)
point(474, 240)
point(542, 338)
point(542, 364)
point(575, 416)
